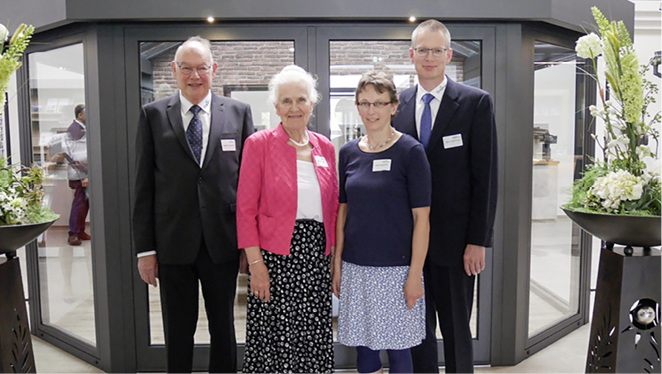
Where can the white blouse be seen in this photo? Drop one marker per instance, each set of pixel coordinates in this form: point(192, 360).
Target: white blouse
point(309, 199)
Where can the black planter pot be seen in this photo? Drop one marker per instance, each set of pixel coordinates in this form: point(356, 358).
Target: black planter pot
point(633, 231)
point(16, 236)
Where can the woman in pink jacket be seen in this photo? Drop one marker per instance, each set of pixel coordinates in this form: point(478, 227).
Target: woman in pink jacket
point(287, 202)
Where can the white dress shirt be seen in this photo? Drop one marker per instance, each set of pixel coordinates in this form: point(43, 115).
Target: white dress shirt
point(438, 93)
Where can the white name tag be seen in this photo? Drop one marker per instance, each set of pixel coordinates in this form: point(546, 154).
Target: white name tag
point(228, 145)
point(381, 165)
point(452, 141)
point(320, 161)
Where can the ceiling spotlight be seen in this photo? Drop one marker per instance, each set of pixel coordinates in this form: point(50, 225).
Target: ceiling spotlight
point(412, 19)
point(210, 19)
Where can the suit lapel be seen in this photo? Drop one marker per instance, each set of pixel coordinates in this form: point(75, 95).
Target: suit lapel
point(215, 128)
point(174, 113)
point(446, 112)
point(407, 112)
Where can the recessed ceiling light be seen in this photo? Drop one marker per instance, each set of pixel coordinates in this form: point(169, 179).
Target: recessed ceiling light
point(412, 19)
point(210, 19)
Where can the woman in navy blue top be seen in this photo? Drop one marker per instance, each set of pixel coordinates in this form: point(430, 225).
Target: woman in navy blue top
point(382, 234)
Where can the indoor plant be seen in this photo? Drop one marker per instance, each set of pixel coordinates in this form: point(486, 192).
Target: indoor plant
point(625, 182)
point(23, 215)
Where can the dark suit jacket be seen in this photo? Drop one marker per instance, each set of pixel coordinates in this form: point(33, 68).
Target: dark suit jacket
point(177, 202)
point(464, 178)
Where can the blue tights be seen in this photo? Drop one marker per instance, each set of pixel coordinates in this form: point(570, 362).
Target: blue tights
point(367, 360)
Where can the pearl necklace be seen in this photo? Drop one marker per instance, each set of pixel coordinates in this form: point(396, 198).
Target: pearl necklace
point(305, 143)
point(380, 145)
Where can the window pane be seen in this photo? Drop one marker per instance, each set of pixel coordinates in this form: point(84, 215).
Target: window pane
point(57, 86)
point(557, 154)
point(244, 71)
point(350, 59)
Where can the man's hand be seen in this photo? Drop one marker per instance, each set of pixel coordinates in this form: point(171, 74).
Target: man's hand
point(79, 166)
point(474, 259)
point(148, 268)
point(85, 182)
point(58, 158)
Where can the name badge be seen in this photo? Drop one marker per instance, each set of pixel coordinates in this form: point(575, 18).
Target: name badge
point(452, 141)
point(320, 161)
point(381, 165)
point(228, 145)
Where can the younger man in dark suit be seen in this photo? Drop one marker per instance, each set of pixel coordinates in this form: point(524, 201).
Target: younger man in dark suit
point(188, 156)
point(456, 125)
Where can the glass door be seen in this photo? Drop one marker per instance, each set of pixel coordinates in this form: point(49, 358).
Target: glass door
point(64, 255)
point(355, 50)
point(559, 250)
point(247, 58)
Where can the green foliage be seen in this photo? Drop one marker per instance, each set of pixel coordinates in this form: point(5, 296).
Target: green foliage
point(10, 59)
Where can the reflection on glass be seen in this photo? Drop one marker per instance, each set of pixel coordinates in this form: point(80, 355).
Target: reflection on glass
point(57, 86)
point(350, 59)
point(555, 253)
point(244, 71)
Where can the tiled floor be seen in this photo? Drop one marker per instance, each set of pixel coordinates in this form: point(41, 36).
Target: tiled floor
point(568, 355)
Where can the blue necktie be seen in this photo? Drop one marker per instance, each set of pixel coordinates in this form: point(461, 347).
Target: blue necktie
point(426, 121)
point(194, 133)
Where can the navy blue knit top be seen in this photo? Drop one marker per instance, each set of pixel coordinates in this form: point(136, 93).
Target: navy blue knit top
point(380, 190)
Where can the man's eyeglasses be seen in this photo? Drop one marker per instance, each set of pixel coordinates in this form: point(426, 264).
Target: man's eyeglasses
point(436, 52)
point(188, 70)
point(364, 105)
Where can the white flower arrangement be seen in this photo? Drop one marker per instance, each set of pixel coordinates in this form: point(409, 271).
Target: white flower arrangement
point(609, 191)
point(627, 180)
point(22, 195)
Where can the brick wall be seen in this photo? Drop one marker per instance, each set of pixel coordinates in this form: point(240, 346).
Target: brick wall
point(239, 63)
point(253, 63)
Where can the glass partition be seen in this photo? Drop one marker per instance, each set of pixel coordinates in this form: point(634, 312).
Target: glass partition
point(556, 162)
point(244, 71)
point(59, 145)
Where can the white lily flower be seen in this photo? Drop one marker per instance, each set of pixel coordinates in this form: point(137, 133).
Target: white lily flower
point(4, 33)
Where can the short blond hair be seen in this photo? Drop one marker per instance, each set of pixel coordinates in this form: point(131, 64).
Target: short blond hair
point(431, 25)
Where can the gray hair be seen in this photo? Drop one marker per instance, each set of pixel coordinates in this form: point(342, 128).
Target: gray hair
point(78, 110)
point(431, 25)
point(195, 39)
point(289, 74)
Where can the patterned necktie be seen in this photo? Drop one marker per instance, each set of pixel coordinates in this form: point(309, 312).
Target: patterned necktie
point(426, 121)
point(194, 133)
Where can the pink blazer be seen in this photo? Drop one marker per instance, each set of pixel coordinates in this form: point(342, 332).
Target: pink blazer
point(267, 191)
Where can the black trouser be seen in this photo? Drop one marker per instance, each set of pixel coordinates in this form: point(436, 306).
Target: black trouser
point(449, 295)
point(179, 302)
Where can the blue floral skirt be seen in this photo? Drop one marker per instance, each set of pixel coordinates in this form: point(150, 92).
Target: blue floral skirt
point(373, 312)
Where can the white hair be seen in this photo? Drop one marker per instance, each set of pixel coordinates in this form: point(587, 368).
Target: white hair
point(289, 74)
point(206, 44)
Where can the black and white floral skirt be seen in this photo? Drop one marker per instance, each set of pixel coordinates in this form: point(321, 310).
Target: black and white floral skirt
point(292, 333)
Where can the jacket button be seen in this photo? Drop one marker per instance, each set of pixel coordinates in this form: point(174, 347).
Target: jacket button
point(200, 180)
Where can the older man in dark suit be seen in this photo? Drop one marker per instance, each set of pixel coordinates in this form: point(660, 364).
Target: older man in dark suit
point(456, 125)
point(188, 156)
